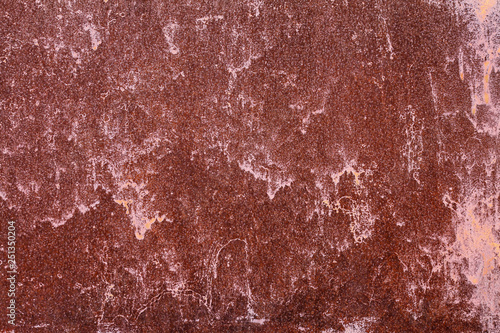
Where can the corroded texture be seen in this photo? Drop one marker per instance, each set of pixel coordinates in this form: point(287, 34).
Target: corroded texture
point(264, 166)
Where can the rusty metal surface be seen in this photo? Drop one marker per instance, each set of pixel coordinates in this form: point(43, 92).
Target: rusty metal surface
point(251, 166)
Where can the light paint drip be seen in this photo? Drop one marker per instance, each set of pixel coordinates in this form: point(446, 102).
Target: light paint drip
point(276, 180)
point(139, 219)
point(125, 204)
point(345, 171)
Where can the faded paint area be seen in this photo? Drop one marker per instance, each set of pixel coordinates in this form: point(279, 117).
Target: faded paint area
point(476, 247)
point(478, 243)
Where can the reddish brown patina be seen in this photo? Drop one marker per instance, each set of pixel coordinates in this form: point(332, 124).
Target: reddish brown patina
point(260, 166)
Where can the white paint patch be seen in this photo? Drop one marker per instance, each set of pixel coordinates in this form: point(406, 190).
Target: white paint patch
point(76, 55)
point(362, 222)
point(360, 326)
point(413, 149)
point(169, 33)
point(201, 23)
point(95, 36)
point(64, 217)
